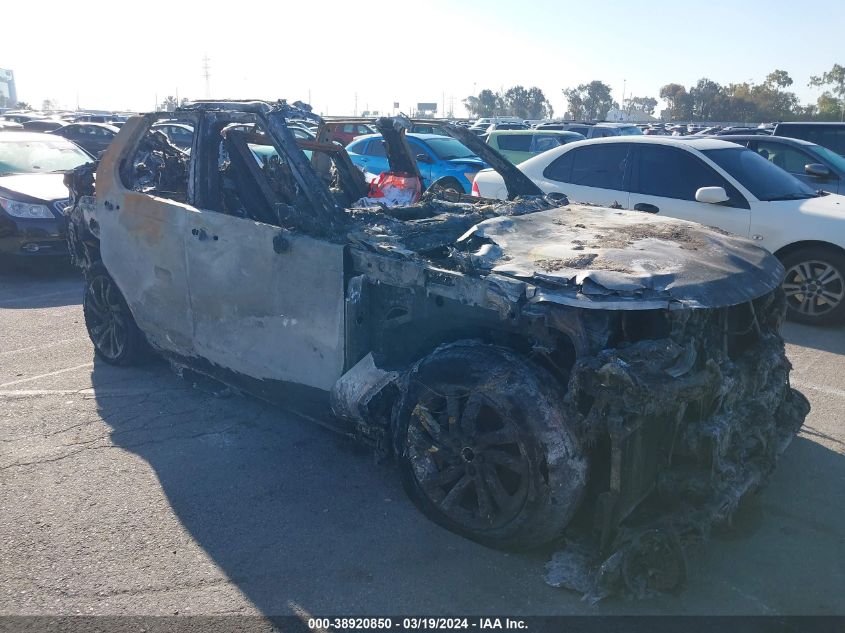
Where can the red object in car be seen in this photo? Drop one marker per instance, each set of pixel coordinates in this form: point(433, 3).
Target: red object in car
point(398, 188)
point(475, 192)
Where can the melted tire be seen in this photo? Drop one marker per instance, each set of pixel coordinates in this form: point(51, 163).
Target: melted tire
point(531, 449)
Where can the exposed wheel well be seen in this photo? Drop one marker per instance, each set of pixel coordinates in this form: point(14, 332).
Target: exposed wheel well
point(555, 351)
point(796, 246)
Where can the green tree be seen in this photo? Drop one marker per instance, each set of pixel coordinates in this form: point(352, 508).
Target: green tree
point(538, 106)
point(589, 101)
point(23, 105)
point(516, 102)
point(640, 104)
point(835, 78)
point(678, 101)
point(574, 104)
point(486, 104)
point(828, 107)
point(526, 104)
point(707, 100)
point(170, 103)
point(779, 79)
point(774, 104)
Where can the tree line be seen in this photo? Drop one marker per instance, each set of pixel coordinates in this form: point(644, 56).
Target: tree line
point(707, 100)
point(517, 101)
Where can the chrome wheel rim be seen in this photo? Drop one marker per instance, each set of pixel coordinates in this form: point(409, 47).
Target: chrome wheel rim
point(814, 288)
point(106, 317)
point(468, 459)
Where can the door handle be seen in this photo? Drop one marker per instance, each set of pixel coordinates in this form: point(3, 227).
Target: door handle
point(646, 207)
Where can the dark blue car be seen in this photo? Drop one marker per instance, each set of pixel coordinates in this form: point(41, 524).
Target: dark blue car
point(438, 157)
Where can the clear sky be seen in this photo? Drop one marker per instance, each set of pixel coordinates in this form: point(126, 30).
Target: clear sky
point(113, 55)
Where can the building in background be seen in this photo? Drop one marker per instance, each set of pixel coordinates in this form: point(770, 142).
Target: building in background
point(634, 116)
point(426, 110)
point(8, 94)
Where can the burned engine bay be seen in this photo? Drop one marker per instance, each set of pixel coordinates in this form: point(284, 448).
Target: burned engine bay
point(661, 336)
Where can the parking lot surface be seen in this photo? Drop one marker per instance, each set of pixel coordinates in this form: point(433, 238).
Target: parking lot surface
point(129, 491)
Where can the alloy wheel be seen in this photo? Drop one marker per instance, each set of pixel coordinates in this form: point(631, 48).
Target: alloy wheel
point(814, 288)
point(107, 318)
point(468, 459)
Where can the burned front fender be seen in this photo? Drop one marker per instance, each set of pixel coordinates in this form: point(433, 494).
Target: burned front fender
point(689, 424)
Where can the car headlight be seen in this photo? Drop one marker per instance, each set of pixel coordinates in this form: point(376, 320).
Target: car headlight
point(25, 210)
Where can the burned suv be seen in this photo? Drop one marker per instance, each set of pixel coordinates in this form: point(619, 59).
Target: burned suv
point(541, 371)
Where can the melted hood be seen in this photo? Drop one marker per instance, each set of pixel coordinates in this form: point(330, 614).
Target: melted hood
point(606, 258)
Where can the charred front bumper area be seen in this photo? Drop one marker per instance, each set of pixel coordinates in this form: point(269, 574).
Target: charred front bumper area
point(683, 427)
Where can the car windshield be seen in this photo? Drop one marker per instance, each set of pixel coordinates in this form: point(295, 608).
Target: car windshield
point(631, 131)
point(830, 156)
point(448, 148)
point(40, 156)
point(763, 179)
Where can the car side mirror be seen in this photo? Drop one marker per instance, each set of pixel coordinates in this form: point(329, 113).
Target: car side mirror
point(711, 195)
point(817, 169)
point(424, 158)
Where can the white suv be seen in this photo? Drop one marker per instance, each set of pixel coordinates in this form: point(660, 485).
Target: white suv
point(716, 183)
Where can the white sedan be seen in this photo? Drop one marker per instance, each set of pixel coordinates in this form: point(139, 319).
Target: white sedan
point(716, 183)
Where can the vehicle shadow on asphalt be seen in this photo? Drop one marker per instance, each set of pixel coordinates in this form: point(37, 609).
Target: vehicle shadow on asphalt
point(827, 339)
point(299, 518)
point(39, 284)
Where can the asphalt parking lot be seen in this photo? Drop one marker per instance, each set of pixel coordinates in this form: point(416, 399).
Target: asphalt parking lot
point(127, 491)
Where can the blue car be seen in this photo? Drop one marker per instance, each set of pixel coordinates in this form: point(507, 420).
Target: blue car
point(437, 157)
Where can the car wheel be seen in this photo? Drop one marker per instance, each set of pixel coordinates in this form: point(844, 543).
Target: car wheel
point(448, 185)
point(815, 286)
point(485, 448)
point(116, 337)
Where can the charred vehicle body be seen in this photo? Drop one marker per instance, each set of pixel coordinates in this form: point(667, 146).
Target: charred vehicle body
point(541, 371)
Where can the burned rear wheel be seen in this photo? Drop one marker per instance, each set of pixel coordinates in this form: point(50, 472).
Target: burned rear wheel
point(484, 447)
point(116, 337)
point(814, 285)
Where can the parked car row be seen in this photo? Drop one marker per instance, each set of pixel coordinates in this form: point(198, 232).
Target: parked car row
point(785, 193)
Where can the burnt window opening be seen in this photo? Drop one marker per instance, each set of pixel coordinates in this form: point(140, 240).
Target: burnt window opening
point(158, 167)
point(255, 179)
point(334, 167)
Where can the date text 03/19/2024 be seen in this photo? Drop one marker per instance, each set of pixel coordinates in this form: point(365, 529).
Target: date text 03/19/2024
point(418, 623)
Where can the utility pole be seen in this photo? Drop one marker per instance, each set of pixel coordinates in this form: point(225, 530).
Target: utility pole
point(355, 112)
point(206, 73)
